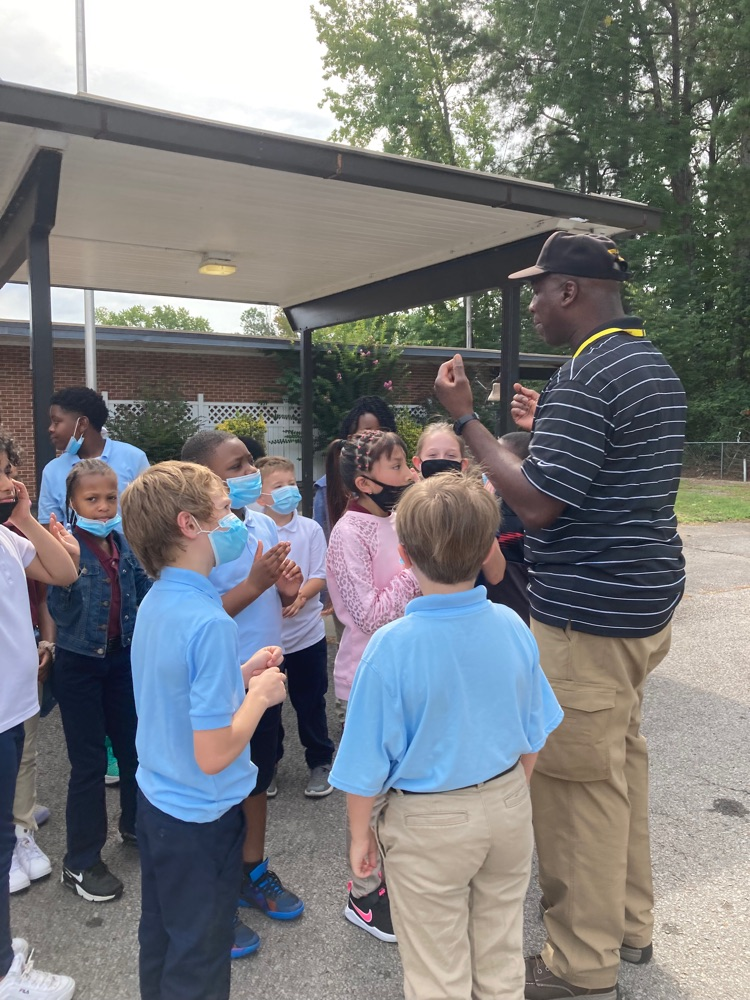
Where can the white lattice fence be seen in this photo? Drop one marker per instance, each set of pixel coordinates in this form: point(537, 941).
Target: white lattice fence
point(283, 423)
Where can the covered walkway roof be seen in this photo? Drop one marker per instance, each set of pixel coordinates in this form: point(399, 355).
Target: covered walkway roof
point(129, 199)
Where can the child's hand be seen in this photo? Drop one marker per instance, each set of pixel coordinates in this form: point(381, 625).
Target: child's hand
point(269, 685)
point(45, 663)
point(364, 855)
point(22, 511)
point(290, 581)
point(64, 537)
point(267, 567)
point(268, 656)
point(294, 608)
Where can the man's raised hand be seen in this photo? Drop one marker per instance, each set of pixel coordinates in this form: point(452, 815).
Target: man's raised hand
point(453, 388)
point(523, 406)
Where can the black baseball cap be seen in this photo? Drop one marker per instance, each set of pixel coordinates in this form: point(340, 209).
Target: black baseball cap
point(582, 255)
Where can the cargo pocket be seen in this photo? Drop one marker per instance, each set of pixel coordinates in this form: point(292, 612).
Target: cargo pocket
point(578, 750)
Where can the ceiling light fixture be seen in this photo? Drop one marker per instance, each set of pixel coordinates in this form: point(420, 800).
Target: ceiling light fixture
point(217, 264)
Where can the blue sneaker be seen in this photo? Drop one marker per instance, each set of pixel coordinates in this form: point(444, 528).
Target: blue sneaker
point(262, 890)
point(246, 941)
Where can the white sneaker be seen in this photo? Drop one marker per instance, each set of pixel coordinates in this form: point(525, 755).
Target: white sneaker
point(32, 859)
point(24, 982)
point(18, 879)
point(20, 947)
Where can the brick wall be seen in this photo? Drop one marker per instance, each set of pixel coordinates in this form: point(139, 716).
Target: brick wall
point(233, 378)
point(247, 377)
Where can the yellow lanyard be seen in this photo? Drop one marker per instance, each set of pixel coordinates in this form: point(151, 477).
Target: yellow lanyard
point(637, 332)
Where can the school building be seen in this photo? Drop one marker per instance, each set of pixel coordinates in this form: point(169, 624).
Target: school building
point(218, 374)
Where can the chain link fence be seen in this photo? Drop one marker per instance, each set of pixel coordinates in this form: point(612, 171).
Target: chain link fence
point(717, 460)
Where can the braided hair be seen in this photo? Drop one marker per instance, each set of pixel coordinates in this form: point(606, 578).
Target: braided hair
point(349, 458)
point(368, 404)
point(86, 467)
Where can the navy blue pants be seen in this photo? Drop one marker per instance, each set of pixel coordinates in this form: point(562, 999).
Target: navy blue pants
point(264, 746)
point(96, 700)
point(11, 749)
point(307, 683)
point(189, 878)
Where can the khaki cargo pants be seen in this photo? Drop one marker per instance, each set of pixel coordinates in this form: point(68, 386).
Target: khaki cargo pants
point(589, 795)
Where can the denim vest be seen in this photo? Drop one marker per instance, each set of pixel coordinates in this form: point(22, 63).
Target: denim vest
point(81, 611)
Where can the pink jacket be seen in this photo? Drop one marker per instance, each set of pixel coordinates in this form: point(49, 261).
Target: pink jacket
point(368, 584)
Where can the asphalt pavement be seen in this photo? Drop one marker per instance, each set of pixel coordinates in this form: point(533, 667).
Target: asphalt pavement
point(696, 719)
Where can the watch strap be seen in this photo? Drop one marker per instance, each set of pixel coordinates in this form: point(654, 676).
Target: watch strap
point(459, 425)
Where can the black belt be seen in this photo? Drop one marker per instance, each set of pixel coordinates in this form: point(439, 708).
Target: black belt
point(406, 791)
point(114, 644)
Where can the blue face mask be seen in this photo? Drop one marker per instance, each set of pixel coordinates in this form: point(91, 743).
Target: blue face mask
point(99, 528)
point(285, 499)
point(228, 540)
point(74, 445)
point(244, 489)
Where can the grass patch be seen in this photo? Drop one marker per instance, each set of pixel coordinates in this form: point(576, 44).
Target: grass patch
point(703, 501)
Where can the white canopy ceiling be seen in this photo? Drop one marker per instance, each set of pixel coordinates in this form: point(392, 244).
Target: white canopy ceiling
point(143, 195)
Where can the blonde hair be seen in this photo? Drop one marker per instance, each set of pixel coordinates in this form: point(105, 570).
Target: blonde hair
point(446, 524)
point(439, 427)
point(151, 503)
point(274, 463)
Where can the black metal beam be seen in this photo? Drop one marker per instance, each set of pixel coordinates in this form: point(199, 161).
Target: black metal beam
point(509, 347)
point(306, 419)
point(451, 279)
point(98, 119)
point(25, 226)
point(32, 205)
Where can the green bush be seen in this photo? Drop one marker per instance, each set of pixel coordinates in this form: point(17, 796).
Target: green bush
point(409, 430)
point(341, 374)
point(243, 425)
point(159, 424)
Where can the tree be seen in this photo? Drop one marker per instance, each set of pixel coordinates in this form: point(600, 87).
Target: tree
point(259, 321)
point(647, 99)
point(156, 318)
point(407, 71)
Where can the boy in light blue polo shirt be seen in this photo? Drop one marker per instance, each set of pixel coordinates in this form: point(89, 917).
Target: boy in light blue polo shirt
point(448, 711)
point(77, 416)
point(253, 589)
point(194, 724)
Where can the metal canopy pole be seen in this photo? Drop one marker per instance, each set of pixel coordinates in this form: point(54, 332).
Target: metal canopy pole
point(510, 337)
point(89, 321)
point(41, 345)
point(306, 401)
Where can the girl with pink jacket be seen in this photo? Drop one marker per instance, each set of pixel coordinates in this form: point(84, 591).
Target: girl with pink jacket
point(369, 587)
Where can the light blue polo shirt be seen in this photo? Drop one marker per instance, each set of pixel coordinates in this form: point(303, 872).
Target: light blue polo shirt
point(259, 623)
point(186, 677)
point(447, 696)
point(127, 461)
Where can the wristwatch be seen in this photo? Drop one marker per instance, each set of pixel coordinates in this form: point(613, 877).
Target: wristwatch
point(458, 427)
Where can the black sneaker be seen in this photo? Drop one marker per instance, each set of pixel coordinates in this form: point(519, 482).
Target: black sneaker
point(371, 912)
point(97, 884)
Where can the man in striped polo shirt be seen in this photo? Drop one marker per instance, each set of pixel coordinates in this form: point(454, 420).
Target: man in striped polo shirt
point(596, 496)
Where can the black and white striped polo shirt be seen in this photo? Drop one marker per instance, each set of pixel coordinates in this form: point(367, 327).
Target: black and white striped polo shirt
point(607, 441)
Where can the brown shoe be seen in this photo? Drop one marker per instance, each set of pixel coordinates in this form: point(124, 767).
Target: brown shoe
point(628, 953)
point(541, 984)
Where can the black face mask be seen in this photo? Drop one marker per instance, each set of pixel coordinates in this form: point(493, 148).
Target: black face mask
point(389, 496)
point(433, 466)
point(6, 509)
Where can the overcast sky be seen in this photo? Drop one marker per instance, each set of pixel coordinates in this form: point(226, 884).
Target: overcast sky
point(245, 62)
